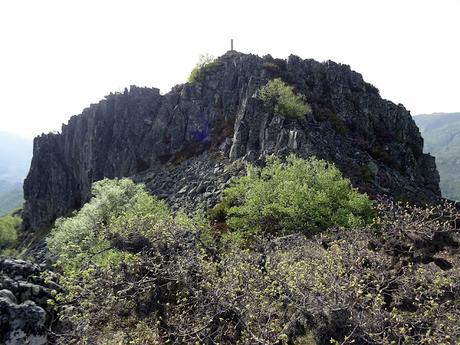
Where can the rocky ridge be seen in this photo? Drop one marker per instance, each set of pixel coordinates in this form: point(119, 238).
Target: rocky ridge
point(185, 145)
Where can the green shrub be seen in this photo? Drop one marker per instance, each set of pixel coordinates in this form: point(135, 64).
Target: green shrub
point(119, 222)
point(218, 214)
point(206, 63)
point(301, 196)
point(121, 234)
point(342, 287)
point(115, 210)
point(279, 98)
point(8, 227)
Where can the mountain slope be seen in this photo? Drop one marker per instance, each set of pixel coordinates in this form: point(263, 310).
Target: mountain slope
point(15, 157)
point(185, 145)
point(442, 139)
point(10, 197)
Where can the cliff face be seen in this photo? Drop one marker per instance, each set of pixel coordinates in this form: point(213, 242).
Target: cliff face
point(181, 144)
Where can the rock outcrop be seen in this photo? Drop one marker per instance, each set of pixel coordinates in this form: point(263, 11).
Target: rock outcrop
point(25, 316)
point(183, 144)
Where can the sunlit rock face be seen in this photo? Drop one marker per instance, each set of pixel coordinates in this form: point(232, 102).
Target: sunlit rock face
point(182, 144)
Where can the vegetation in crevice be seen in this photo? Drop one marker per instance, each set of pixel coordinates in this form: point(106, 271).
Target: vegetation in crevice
point(280, 99)
point(206, 64)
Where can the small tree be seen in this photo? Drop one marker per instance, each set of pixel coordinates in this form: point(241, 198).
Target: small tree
point(206, 62)
point(87, 237)
point(8, 227)
point(279, 98)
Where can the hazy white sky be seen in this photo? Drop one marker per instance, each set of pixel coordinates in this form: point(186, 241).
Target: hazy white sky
point(57, 57)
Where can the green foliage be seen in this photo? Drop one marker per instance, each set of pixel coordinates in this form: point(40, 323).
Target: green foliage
point(117, 207)
point(279, 98)
point(301, 196)
point(111, 231)
point(218, 214)
point(356, 286)
point(8, 231)
point(206, 64)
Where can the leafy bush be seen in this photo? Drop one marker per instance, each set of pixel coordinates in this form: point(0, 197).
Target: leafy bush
point(135, 274)
point(379, 287)
point(111, 232)
point(8, 231)
point(86, 237)
point(301, 196)
point(279, 98)
point(205, 64)
point(357, 287)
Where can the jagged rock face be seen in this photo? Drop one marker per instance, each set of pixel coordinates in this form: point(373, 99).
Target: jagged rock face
point(219, 119)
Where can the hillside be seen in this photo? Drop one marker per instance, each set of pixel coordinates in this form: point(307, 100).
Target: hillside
point(182, 144)
point(10, 197)
point(15, 157)
point(441, 133)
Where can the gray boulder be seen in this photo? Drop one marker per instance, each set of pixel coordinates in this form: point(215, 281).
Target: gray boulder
point(25, 316)
point(22, 324)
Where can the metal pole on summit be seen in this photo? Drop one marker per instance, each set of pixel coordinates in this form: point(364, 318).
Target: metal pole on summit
point(231, 44)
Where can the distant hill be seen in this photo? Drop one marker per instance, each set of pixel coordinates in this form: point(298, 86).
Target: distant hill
point(15, 157)
point(441, 132)
point(11, 197)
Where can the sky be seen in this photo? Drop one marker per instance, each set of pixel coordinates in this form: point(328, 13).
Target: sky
point(59, 56)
